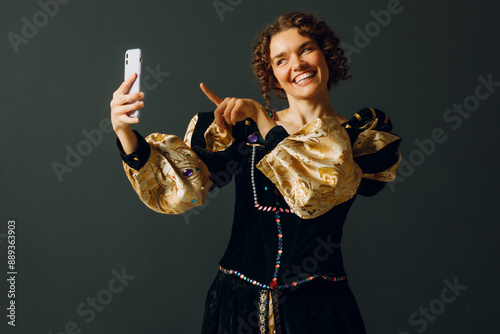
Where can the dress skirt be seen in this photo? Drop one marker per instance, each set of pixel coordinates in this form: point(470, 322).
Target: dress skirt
point(318, 307)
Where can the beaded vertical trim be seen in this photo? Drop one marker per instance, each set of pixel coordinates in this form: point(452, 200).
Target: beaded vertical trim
point(254, 191)
point(274, 282)
point(277, 217)
point(252, 178)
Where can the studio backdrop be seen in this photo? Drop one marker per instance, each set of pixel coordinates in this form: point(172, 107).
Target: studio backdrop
point(80, 253)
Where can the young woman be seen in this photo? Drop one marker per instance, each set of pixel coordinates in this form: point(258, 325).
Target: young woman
point(297, 173)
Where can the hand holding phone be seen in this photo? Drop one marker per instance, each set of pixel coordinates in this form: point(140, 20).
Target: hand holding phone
point(133, 64)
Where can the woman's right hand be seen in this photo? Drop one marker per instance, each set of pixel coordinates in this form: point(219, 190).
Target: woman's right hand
point(119, 107)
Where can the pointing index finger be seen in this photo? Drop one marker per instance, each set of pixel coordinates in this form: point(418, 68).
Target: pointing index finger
point(211, 95)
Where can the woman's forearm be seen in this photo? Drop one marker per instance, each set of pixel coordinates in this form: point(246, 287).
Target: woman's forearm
point(128, 139)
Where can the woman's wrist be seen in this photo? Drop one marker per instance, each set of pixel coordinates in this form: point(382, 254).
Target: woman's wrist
point(263, 120)
point(128, 139)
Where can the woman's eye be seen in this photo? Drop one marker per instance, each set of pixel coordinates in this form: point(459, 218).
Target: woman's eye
point(307, 50)
point(281, 61)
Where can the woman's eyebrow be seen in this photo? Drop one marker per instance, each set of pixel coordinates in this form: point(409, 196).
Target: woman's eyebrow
point(281, 54)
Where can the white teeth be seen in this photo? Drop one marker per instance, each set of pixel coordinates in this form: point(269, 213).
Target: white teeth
point(301, 78)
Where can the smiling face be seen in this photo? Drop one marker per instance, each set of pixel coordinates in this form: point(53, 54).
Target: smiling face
point(298, 64)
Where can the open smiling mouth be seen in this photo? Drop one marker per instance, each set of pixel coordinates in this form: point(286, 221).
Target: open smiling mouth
point(304, 78)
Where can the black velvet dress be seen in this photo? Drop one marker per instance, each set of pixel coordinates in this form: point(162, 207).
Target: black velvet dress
point(282, 273)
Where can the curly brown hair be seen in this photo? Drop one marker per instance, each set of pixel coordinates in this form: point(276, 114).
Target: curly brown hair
point(307, 25)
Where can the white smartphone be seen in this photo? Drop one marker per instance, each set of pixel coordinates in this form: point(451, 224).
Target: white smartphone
point(133, 62)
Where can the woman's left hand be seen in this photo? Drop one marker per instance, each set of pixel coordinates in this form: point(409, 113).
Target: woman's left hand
point(232, 110)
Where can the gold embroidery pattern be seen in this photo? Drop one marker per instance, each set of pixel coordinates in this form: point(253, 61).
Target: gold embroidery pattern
point(371, 141)
point(269, 316)
point(263, 294)
point(313, 168)
point(217, 138)
point(161, 183)
point(190, 130)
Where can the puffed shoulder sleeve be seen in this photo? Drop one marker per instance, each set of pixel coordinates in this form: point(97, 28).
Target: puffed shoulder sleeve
point(375, 148)
point(313, 168)
point(166, 173)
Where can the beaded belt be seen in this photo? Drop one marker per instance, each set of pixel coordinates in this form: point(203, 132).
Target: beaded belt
point(271, 286)
point(269, 317)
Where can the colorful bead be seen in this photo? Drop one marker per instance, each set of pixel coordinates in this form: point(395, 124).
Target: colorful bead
point(187, 172)
point(253, 138)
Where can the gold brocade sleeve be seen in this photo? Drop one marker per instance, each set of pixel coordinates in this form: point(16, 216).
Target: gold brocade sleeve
point(174, 179)
point(371, 141)
point(387, 175)
point(314, 168)
point(217, 138)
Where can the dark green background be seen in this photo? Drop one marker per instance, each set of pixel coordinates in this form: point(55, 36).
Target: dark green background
point(399, 247)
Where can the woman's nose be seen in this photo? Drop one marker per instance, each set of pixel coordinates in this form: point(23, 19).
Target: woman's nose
point(299, 64)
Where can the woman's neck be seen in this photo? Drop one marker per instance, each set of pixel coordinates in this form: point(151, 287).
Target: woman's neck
point(304, 111)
